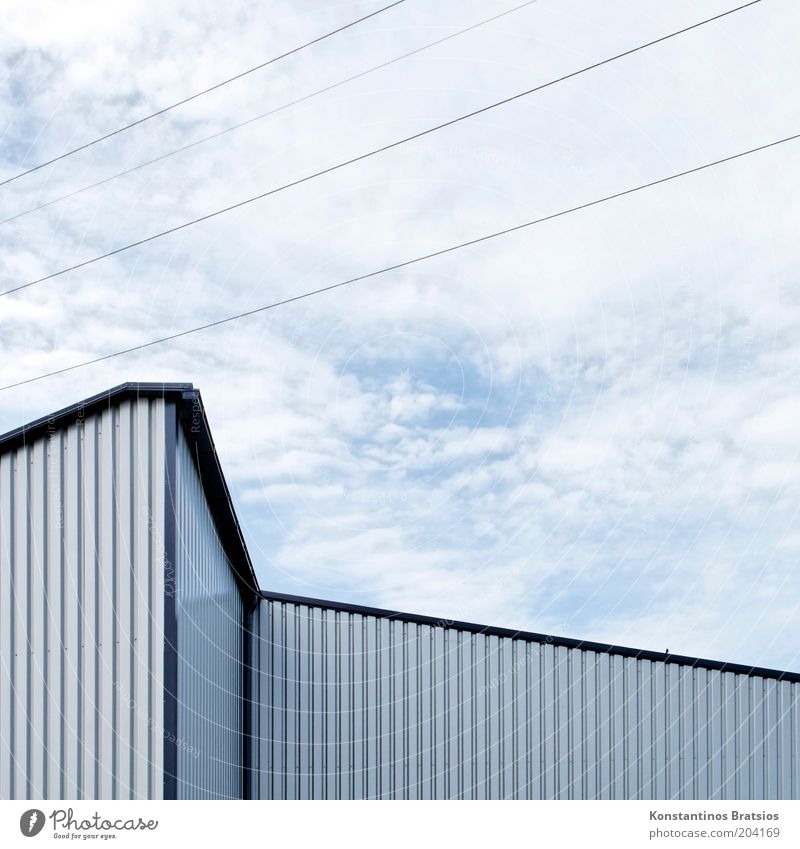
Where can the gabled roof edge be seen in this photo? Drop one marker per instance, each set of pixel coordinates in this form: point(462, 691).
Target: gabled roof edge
point(192, 416)
point(36, 428)
point(532, 637)
point(194, 422)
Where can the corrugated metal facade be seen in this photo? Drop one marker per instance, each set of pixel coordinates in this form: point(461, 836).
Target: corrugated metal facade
point(131, 669)
point(81, 608)
point(209, 614)
point(346, 705)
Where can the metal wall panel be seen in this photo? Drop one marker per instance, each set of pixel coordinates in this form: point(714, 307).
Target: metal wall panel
point(81, 608)
point(209, 616)
point(348, 705)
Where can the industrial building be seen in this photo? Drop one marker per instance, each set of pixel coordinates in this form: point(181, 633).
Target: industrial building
point(140, 658)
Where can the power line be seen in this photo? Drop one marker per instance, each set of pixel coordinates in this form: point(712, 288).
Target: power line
point(370, 153)
point(263, 115)
point(200, 93)
point(404, 263)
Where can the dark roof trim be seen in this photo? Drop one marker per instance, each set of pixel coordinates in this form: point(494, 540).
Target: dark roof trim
point(529, 636)
point(101, 401)
point(192, 417)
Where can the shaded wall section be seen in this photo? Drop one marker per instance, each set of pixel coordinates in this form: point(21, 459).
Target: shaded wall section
point(81, 607)
point(348, 705)
point(209, 615)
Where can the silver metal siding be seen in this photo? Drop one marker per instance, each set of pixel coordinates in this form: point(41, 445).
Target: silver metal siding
point(209, 615)
point(81, 608)
point(347, 705)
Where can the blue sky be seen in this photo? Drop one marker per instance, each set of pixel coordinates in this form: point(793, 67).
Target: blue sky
point(588, 428)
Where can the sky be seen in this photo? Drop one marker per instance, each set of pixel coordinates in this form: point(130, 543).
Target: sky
point(588, 428)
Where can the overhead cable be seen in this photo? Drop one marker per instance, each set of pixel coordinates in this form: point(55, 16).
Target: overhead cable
point(404, 264)
point(194, 96)
point(361, 157)
point(304, 99)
